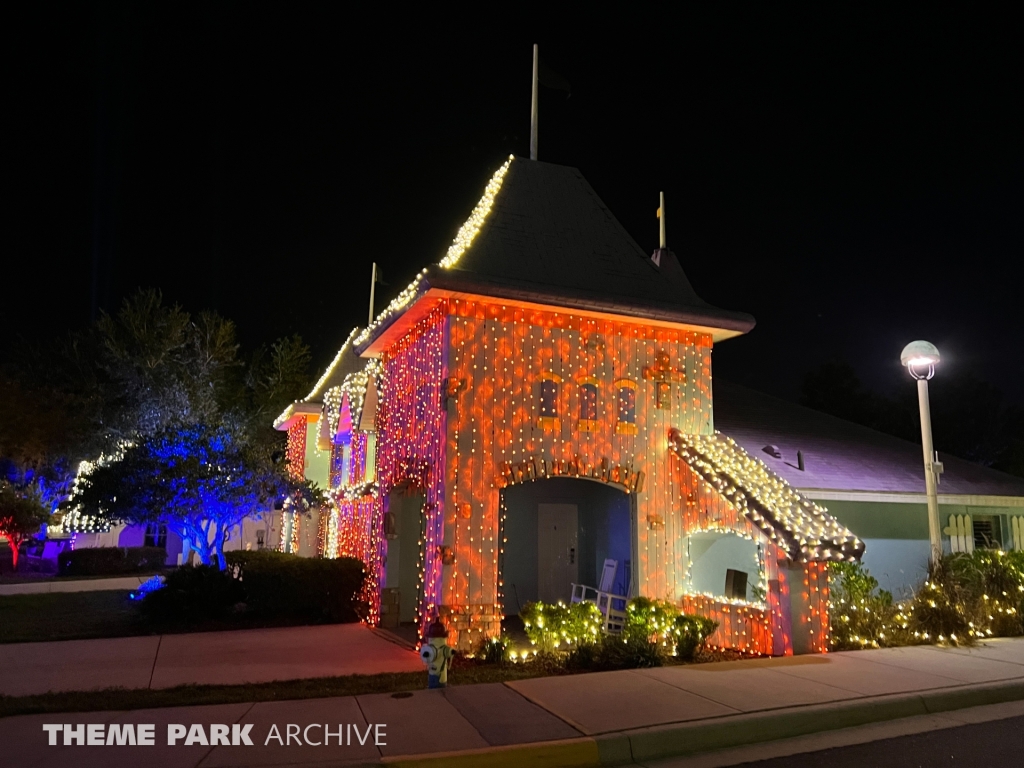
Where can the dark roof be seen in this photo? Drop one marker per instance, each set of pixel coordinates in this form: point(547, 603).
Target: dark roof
point(345, 362)
point(839, 455)
point(549, 237)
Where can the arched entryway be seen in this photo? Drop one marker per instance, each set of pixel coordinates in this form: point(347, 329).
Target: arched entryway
point(558, 531)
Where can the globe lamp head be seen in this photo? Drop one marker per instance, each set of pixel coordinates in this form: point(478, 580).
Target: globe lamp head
point(920, 355)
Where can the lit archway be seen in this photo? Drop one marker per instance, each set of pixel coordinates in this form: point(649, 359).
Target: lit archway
point(558, 531)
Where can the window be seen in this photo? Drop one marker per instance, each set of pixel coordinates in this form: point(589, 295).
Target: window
point(346, 464)
point(371, 457)
point(588, 405)
point(549, 401)
point(337, 464)
point(987, 532)
point(156, 535)
point(626, 423)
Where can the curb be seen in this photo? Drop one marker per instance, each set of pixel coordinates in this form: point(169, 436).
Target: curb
point(570, 753)
point(682, 739)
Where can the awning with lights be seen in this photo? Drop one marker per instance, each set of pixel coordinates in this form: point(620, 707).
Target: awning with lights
point(802, 529)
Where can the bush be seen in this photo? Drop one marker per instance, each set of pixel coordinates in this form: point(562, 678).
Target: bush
point(110, 561)
point(311, 589)
point(995, 581)
point(863, 616)
point(970, 596)
point(559, 626)
point(653, 630)
point(691, 634)
point(662, 624)
point(493, 650)
point(192, 595)
point(965, 597)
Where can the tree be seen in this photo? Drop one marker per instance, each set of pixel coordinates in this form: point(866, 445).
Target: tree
point(199, 481)
point(142, 388)
point(160, 366)
point(22, 514)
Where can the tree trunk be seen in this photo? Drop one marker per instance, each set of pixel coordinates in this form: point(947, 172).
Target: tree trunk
point(15, 544)
point(218, 544)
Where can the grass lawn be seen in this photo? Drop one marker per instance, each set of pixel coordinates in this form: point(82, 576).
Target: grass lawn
point(68, 616)
point(36, 578)
point(315, 688)
point(83, 615)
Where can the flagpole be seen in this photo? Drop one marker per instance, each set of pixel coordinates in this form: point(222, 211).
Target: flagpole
point(373, 284)
point(661, 218)
point(533, 107)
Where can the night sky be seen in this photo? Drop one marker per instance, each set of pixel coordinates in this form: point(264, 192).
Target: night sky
point(853, 180)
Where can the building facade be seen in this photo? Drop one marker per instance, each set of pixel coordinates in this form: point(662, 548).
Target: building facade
point(541, 402)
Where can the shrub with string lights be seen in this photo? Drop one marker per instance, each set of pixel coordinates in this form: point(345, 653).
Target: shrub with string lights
point(966, 597)
point(557, 626)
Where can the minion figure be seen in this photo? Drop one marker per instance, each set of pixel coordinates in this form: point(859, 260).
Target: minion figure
point(436, 654)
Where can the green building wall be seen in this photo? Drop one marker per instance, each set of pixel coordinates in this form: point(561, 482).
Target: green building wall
point(895, 535)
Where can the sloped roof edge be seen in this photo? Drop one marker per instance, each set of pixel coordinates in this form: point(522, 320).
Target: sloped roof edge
point(803, 530)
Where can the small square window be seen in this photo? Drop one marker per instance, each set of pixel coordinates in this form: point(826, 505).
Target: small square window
point(156, 535)
point(987, 532)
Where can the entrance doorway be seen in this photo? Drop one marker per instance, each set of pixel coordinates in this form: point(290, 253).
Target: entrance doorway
point(557, 547)
point(404, 534)
point(559, 531)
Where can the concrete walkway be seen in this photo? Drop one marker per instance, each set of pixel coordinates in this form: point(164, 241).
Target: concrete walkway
point(205, 658)
point(639, 716)
point(78, 585)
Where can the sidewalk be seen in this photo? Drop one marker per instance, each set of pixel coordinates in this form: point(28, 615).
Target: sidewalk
point(204, 658)
point(594, 719)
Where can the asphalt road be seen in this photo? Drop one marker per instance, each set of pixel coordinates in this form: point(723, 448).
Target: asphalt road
point(995, 744)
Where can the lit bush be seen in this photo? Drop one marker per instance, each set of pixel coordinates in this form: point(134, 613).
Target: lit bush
point(651, 621)
point(662, 624)
point(863, 616)
point(493, 650)
point(691, 634)
point(559, 626)
point(965, 597)
point(970, 596)
point(652, 631)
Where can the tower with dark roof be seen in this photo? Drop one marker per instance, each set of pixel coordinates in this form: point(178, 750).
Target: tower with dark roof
point(546, 347)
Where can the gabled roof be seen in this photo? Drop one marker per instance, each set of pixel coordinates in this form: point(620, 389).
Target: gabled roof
point(345, 362)
point(839, 455)
point(541, 234)
point(798, 526)
point(549, 235)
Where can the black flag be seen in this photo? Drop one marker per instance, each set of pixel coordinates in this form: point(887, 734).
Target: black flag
point(551, 79)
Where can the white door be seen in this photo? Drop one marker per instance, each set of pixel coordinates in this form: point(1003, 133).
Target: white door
point(557, 551)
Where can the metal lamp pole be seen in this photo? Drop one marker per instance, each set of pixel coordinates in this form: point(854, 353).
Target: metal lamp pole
point(920, 358)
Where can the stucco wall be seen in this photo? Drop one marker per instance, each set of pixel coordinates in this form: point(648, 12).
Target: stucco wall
point(498, 357)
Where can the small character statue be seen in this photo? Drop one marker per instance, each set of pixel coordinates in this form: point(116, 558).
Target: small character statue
point(436, 654)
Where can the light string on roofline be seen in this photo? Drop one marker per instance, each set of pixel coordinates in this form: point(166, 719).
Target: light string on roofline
point(287, 412)
point(354, 387)
point(803, 529)
point(463, 239)
point(76, 521)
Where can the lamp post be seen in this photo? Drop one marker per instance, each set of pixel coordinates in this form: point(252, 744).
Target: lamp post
point(920, 358)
